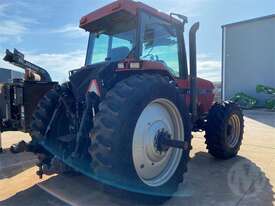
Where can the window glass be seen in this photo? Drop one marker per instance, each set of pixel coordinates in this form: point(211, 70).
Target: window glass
point(100, 48)
point(112, 47)
point(159, 43)
point(123, 41)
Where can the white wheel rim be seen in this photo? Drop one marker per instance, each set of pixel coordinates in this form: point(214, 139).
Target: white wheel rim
point(233, 131)
point(155, 168)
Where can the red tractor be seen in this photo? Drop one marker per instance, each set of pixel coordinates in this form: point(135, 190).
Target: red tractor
point(126, 117)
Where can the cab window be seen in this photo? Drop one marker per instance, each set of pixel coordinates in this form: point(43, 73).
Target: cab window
point(159, 43)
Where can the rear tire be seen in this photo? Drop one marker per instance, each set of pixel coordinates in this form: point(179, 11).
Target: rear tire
point(224, 130)
point(112, 138)
point(41, 119)
point(42, 115)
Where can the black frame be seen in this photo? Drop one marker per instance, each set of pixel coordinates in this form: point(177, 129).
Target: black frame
point(89, 52)
point(19, 103)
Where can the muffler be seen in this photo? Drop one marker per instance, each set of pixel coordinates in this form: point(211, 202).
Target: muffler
point(193, 70)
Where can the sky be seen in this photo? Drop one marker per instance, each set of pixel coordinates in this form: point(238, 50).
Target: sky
point(47, 31)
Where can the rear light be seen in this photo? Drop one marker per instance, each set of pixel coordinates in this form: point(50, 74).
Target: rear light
point(93, 87)
point(129, 65)
point(134, 65)
point(120, 66)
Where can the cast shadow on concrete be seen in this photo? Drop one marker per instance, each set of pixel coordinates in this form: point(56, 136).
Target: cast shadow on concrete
point(207, 183)
point(13, 164)
point(261, 115)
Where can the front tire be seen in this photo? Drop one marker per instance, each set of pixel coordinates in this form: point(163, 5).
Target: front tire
point(224, 130)
point(119, 134)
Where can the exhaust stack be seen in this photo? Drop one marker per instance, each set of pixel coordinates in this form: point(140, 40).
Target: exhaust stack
point(193, 70)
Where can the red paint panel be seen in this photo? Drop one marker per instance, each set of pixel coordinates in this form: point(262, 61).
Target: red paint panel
point(205, 91)
point(145, 66)
point(100, 13)
point(119, 5)
point(152, 65)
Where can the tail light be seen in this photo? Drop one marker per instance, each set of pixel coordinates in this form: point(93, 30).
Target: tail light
point(129, 65)
point(121, 65)
point(135, 65)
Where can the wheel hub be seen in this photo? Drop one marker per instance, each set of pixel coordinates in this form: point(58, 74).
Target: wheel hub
point(151, 142)
point(155, 163)
point(161, 135)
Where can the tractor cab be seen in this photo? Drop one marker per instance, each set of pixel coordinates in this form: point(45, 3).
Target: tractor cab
point(131, 30)
point(136, 37)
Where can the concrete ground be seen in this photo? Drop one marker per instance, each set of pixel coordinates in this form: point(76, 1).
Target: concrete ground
point(246, 180)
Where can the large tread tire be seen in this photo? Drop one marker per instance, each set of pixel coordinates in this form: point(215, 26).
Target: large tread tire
point(42, 115)
point(40, 121)
point(111, 137)
point(216, 130)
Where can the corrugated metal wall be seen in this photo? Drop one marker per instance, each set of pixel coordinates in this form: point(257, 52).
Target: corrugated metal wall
point(248, 56)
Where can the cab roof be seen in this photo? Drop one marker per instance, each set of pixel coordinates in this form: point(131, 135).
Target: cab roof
point(127, 6)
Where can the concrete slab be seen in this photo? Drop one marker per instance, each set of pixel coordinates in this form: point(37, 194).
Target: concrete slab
point(10, 138)
point(246, 180)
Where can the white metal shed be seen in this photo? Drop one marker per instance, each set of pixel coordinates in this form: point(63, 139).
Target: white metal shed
point(248, 56)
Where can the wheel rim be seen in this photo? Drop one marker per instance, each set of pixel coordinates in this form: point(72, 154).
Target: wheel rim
point(155, 168)
point(233, 130)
